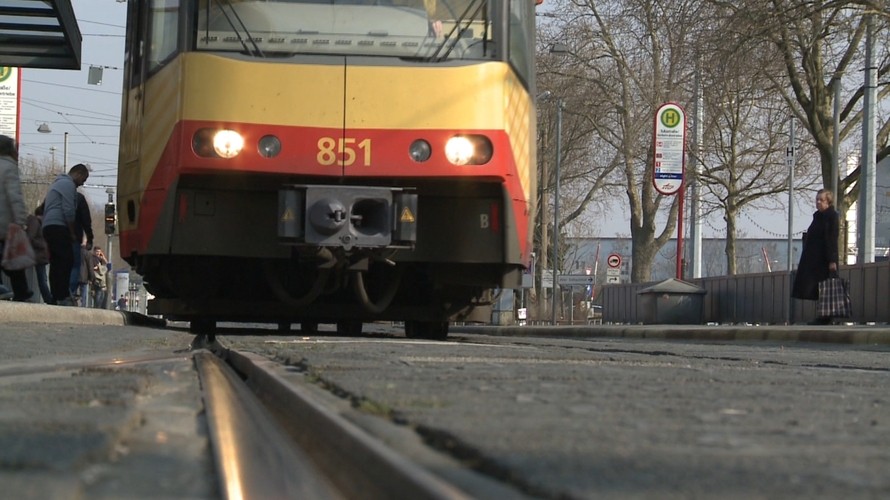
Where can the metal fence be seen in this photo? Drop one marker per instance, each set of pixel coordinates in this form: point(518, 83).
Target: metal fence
point(763, 298)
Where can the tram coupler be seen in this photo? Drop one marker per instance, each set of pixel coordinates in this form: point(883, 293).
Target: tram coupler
point(347, 216)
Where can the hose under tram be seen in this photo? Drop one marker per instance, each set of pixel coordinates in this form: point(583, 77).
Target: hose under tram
point(321, 281)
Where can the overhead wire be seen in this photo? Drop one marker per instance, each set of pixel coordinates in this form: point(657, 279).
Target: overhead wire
point(26, 80)
point(37, 104)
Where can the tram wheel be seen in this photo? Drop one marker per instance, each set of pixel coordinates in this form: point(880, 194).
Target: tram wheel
point(349, 327)
point(431, 330)
point(204, 328)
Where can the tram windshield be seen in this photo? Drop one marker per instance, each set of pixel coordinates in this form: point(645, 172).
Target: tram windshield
point(434, 30)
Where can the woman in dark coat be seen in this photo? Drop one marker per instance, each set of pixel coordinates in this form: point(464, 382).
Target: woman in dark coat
point(819, 258)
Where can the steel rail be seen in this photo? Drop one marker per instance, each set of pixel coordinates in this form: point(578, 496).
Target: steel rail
point(358, 464)
point(254, 458)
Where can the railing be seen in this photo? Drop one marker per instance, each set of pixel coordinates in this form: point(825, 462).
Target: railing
point(763, 298)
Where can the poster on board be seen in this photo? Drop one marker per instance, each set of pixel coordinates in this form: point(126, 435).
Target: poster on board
point(670, 148)
point(9, 101)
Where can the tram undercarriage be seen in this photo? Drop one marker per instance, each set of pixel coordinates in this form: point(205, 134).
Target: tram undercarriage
point(310, 291)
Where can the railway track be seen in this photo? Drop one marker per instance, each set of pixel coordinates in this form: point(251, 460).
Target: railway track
point(271, 438)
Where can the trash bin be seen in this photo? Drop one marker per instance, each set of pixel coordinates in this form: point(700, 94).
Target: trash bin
point(672, 302)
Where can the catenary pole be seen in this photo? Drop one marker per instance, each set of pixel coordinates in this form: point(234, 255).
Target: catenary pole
point(836, 146)
point(790, 155)
point(555, 244)
point(109, 275)
point(865, 217)
point(695, 211)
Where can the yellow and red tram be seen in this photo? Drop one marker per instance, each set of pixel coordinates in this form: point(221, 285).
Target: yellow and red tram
point(303, 161)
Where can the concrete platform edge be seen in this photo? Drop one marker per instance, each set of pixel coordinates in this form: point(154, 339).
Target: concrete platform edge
point(838, 334)
point(25, 312)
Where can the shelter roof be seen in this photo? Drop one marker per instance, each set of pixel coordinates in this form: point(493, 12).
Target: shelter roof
point(39, 34)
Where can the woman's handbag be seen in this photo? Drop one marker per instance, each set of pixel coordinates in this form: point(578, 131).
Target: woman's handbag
point(834, 298)
point(17, 251)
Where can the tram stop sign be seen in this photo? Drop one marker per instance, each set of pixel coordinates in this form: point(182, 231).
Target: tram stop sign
point(614, 260)
point(670, 148)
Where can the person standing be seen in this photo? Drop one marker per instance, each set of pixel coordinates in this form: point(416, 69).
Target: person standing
point(12, 210)
point(59, 212)
point(81, 269)
point(81, 292)
point(819, 258)
point(35, 234)
point(99, 285)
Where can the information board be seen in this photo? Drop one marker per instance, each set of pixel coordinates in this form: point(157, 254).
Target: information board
point(9, 101)
point(670, 148)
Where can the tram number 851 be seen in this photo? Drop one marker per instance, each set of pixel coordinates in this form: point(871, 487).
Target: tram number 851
point(344, 151)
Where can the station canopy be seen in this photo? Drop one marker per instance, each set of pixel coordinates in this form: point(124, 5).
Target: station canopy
point(39, 34)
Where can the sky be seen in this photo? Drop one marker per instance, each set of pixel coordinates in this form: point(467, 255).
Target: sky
point(90, 114)
point(63, 99)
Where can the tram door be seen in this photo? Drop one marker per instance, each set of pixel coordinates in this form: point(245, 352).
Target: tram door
point(134, 85)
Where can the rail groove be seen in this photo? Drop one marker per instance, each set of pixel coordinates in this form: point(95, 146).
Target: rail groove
point(251, 457)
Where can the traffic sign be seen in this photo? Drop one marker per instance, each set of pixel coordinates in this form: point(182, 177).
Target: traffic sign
point(574, 279)
point(614, 260)
point(613, 271)
point(613, 279)
point(546, 278)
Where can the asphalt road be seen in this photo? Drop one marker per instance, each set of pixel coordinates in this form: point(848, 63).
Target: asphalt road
point(580, 417)
point(605, 418)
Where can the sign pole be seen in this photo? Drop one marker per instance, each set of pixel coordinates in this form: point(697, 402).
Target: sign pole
point(669, 163)
point(682, 195)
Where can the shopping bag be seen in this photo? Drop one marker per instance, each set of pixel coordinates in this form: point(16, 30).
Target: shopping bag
point(834, 299)
point(17, 251)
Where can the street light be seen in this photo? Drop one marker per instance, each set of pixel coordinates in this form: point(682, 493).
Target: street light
point(543, 97)
point(110, 236)
point(557, 48)
point(44, 129)
point(555, 243)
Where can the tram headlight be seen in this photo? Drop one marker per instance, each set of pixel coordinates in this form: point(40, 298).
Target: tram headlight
point(468, 150)
point(215, 143)
point(227, 143)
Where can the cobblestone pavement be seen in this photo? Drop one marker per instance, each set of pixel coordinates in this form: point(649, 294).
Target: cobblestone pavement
point(100, 412)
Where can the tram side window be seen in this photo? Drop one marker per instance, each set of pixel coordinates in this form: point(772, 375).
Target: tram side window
point(163, 30)
point(521, 33)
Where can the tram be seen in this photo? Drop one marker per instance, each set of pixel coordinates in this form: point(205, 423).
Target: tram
point(327, 162)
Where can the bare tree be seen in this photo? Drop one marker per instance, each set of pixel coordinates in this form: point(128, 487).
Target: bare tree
point(821, 45)
point(631, 56)
point(585, 176)
point(745, 139)
point(36, 176)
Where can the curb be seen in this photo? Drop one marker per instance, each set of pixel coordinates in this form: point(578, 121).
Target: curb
point(26, 312)
point(835, 334)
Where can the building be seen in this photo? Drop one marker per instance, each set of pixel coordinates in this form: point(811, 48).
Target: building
point(753, 255)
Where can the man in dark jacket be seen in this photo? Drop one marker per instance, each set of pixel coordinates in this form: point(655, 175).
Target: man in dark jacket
point(819, 259)
point(83, 225)
point(58, 229)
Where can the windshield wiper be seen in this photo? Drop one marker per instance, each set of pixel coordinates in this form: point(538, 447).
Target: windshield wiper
point(457, 30)
point(256, 52)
